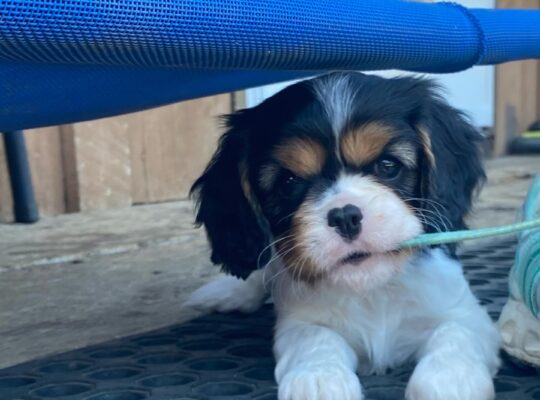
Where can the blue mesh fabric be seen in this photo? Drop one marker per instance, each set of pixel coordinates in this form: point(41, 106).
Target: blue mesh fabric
point(68, 60)
point(238, 34)
point(509, 34)
point(58, 94)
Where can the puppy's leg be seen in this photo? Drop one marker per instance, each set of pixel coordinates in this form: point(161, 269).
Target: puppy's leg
point(457, 362)
point(314, 363)
point(227, 293)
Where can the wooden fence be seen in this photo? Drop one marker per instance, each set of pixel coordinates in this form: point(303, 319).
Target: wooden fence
point(144, 157)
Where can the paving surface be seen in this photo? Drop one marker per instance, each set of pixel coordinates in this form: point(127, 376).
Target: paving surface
point(229, 356)
point(81, 279)
point(78, 280)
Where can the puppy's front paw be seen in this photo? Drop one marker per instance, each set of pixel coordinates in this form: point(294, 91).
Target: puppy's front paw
point(325, 382)
point(450, 380)
point(226, 294)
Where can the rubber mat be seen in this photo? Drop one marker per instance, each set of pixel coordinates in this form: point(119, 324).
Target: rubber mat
point(229, 356)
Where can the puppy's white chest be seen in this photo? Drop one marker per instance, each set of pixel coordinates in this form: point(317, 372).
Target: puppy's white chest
point(388, 325)
point(385, 331)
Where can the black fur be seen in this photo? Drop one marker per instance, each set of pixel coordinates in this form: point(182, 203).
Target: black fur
point(239, 230)
point(458, 173)
point(237, 234)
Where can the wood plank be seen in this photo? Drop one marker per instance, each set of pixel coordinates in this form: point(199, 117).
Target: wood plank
point(69, 168)
point(518, 4)
point(171, 145)
point(538, 89)
point(45, 158)
point(517, 91)
point(517, 100)
point(6, 200)
point(103, 166)
point(530, 100)
point(238, 100)
point(138, 155)
point(507, 105)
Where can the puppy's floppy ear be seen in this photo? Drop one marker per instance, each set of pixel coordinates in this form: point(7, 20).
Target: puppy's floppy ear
point(451, 164)
point(237, 232)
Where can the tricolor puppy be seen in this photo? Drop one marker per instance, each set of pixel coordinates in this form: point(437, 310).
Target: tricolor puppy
point(310, 195)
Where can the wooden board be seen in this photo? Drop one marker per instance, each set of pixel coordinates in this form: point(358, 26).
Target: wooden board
point(103, 165)
point(517, 91)
point(69, 167)
point(517, 102)
point(6, 201)
point(171, 145)
point(45, 157)
point(145, 157)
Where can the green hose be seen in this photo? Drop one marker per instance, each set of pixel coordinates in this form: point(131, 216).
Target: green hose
point(525, 272)
point(429, 239)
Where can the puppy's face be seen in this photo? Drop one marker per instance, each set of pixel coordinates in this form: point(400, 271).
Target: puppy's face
point(339, 203)
point(333, 174)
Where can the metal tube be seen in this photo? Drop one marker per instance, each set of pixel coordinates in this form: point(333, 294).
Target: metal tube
point(24, 202)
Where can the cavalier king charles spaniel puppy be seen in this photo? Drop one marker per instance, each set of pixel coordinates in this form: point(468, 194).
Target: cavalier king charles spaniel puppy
point(309, 197)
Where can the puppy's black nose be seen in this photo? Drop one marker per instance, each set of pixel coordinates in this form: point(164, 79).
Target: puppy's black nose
point(346, 220)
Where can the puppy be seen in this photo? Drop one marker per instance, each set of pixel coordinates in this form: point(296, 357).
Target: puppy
point(310, 195)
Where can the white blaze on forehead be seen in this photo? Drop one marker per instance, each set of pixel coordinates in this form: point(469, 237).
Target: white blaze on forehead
point(336, 94)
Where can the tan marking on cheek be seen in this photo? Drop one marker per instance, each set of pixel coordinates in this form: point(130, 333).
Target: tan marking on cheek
point(294, 254)
point(426, 145)
point(363, 145)
point(246, 186)
point(302, 156)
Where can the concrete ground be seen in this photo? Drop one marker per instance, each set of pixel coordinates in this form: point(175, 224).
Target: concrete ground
point(75, 280)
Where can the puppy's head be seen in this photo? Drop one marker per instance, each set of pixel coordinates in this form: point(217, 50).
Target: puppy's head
point(333, 173)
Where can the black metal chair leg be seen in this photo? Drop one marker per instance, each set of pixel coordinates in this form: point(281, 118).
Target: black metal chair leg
point(24, 201)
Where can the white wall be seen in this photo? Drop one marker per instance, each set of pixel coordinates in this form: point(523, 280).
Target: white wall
point(471, 91)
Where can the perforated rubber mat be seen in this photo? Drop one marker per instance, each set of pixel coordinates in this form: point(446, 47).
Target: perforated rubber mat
point(229, 356)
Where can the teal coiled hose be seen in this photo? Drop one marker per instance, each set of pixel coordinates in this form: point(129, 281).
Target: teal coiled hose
point(526, 270)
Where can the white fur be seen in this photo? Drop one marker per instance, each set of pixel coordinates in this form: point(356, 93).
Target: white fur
point(228, 293)
point(336, 94)
point(327, 331)
point(386, 222)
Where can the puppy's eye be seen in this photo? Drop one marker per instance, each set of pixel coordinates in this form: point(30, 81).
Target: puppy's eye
point(387, 168)
point(291, 179)
point(289, 184)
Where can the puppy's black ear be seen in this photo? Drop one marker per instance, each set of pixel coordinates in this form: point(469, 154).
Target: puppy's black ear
point(237, 232)
point(451, 164)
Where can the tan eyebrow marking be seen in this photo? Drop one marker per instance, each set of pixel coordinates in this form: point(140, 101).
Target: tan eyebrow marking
point(303, 156)
point(364, 145)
